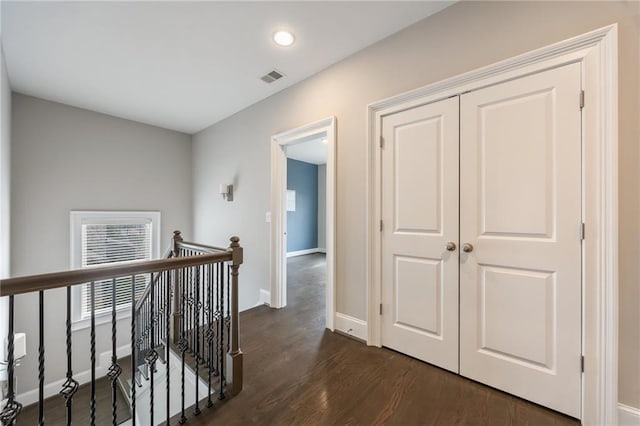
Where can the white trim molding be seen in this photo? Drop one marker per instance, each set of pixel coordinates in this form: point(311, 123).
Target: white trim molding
point(304, 252)
point(104, 361)
point(628, 416)
point(79, 218)
point(279, 143)
point(265, 297)
point(352, 326)
point(596, 51)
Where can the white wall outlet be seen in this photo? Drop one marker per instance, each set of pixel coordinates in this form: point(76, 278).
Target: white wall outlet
point(267, 217)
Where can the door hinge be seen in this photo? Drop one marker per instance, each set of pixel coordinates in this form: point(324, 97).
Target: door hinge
point(581, 99)
point(582, 231)
point(582, 363)
point(381, 142)
point(381, 309)
point(381, 226)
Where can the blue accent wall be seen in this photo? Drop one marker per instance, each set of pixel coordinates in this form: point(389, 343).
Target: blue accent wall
point(302, 224)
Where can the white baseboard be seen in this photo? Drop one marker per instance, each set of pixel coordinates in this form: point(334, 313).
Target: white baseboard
point(265, 297)
point(628, 416)
point(53, 388)
point(322, 250)
point(352, 326)
point(303, 252)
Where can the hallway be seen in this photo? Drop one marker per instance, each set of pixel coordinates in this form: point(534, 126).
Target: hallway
point(298, 373)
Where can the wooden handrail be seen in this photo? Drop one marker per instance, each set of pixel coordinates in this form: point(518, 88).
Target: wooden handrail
point(186, 245)
point(31, 283)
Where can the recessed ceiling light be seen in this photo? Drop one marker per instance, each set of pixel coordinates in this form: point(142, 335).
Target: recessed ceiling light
point(283, 38)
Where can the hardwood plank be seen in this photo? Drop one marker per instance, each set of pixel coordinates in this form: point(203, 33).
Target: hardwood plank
point(55, 410)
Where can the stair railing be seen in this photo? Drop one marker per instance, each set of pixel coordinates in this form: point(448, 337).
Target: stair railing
point(156, 290)
point(192, 295)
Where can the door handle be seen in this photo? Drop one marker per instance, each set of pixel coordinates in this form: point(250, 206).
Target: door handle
point(467, 248)
point(451, 246)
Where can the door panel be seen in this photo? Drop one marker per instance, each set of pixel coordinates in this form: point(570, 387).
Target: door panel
point(513, 162)
point(517, 314)
point(418, 290)
point(417, 170)
point(520, 208)
point(420, 212)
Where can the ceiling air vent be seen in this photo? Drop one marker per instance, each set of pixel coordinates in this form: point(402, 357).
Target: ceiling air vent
point(272, 76)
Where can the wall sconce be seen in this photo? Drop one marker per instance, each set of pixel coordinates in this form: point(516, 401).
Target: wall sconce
point(226, 191)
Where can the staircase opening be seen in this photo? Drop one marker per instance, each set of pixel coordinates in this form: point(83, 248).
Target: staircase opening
point(180, 355)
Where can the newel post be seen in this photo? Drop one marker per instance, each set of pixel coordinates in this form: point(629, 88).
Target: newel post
point(177, 285)
point(234, 356)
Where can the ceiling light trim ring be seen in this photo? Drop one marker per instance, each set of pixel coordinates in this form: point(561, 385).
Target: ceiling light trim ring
point(283, 38)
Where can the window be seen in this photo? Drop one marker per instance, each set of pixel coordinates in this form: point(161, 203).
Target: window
point(111, 238)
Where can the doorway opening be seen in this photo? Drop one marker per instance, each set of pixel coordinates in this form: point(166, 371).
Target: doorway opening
point(303, 215)
point(306, 221)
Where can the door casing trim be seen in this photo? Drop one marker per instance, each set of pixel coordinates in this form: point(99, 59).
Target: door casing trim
point(279, 212)
point(596, 51)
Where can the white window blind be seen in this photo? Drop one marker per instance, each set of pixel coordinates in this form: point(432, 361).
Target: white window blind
point(111, 238)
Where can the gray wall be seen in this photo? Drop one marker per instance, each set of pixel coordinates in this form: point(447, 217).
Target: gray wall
point(63, 159)
point(5, 194)
point(463, 37)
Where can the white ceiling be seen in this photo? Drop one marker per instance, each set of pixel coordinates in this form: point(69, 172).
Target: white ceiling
point(183, 65)
point(312, 151)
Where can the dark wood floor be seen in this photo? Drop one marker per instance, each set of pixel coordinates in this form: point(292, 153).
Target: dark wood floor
point(297, 373)
point(55, 412)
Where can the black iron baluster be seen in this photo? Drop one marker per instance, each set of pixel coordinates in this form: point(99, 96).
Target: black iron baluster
point(114, 368)
point(201, 316)
point(196, 410)
point(12, 409)
point(133, 350)
point(194, 326)
point(209, 333)
point(191, 314)
point(167, 313)
point(221, 338)
point(182, 343)
point(185, 294)
point(209, 312)
point(93, 355)
point(154, 299)
point(142, 324)
point(164, 307)
point(70, 385)
point(41, 360)
point(160, 309)
point(139, 333)
point(188, 307)
point(216, 316)
point(143, 332)
point(215, 292)
point(228, 315)
point(152, 355)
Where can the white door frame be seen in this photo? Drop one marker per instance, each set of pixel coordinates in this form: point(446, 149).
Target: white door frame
point(596, 51)
point(279, 211)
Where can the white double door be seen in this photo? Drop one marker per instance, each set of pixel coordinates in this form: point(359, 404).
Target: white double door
point(481, 246)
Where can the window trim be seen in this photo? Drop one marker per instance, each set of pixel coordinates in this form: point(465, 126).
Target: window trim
point(80, 217)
